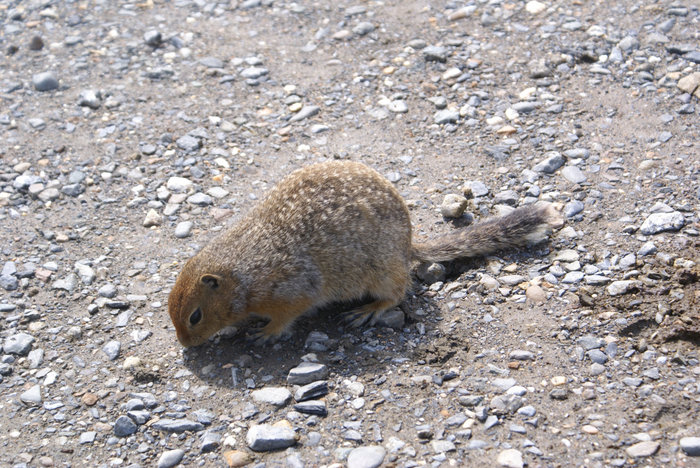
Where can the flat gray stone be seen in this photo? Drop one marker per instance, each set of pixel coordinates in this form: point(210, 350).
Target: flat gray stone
point(446, 116)
point(553, 161)
point(177, 425)
point(573, 174)
point(276, 396)
point(642, 449)
point(170, 458)
point(510, 458)
point(598, 356)
point(179, 184)
point(305, 113)
point(183, 229)
point(19, 343)
point(31, 396)
point(199, 199)
point(311, 391)
point(617, 288)
point(370, 456)
point(307, 372)
point(660, 222)
point(87, 437)
point(264, 437)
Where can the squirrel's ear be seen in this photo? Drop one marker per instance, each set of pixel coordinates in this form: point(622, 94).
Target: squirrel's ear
point(211, 281)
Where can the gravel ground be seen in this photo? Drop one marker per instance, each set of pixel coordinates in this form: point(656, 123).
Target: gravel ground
point(131, 132)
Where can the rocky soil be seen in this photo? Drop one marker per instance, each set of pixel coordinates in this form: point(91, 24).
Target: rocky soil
point(132, 131)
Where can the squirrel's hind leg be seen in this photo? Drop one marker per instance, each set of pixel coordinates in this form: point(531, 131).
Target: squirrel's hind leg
point(369, 312)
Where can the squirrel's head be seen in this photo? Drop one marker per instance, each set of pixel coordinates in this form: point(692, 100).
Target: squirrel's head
point(201, 303)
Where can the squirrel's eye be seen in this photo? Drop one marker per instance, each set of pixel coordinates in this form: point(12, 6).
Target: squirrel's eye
point(196, 316)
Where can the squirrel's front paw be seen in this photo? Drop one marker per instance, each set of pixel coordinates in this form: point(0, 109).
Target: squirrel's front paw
point(264, 337)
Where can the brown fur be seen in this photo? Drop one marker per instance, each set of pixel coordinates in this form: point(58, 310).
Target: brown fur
point(330, 232)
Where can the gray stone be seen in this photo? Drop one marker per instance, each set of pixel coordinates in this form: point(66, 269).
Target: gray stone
point(510, 458)
point(124, 426)
point(522, 355)
point(86, 273)
point(188, 143)
point(648, 248)
point(66, 284)
point(200, 199)
point(506, 197)
point(317, 407)
point(598, 356)
point(307, 372)
point(89, 98)
point(8, 282)
point(264, 437)
point(660, 222)
point(73, 190)
point(305, 112)
point(642, 449)
point(691, 446)
point(212, 62)
point(87, 437)
point(170, 458)
point(435, 54)
point(370, 456)
point(453, 206)
point(153, 38)
point(632, 381)
point(179, 184)
point(32, 396)
point(573, 174)
point(503, 384)
point(596, 280)
point(477, 188)
point(446, 116)
point(589, 342)
point(139, 416)
point(617, 288)
point(553, 161)
point(112, 349)
point(177, 425)
point(512, 280)
point(108, 290)
point(628, 43)
point(183, 229)
point(363, 28)
point(35, 358)
point(210, 441)
point(276, 396)
point(573, 208)
point(45, 81)
point(19, 343)
point(22, 182)
point(311, 391)
point(253, 73)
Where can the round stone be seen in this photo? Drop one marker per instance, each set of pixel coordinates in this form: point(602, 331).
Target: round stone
point(170, 458)
point(45, 81)
point(366, 457)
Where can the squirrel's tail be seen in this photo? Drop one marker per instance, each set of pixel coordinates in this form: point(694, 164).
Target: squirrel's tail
point(524, 226)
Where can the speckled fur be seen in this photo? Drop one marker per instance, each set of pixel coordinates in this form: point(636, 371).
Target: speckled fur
point(330, 232)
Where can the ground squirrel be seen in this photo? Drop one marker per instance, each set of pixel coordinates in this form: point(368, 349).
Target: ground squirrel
point(330, 232)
